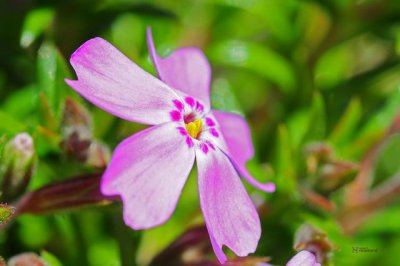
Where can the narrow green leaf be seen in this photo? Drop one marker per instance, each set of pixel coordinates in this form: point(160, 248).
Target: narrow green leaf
point(317, 123)
point(347, 123)
point(22, 102)
point(35, 23)
point(297, 125)
point(52, 70)
point(9, 124)
point(128, 34)
point(222, 97)
point(284, 162)
point(384, 115)
point(388, 162)
point(332, 68)
point(50, 258)
point(257, 58)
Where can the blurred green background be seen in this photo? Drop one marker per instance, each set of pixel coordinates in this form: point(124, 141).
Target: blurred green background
point(318, 82)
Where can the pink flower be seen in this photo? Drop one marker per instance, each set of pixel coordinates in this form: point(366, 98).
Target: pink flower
point(149, 169)
point(303, 258)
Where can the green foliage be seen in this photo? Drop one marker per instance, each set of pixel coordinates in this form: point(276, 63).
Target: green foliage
point(36, 22)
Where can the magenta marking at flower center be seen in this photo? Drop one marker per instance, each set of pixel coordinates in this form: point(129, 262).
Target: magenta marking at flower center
point(192, 111)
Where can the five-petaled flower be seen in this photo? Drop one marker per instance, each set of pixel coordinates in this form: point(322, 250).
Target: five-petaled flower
point(149, 169)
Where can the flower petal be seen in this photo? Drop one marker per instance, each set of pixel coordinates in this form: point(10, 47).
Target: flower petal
point(186, 69)
point(148, 170)
point(303, 258)
point(229, 213)
point(108, 79)
point(239, 147)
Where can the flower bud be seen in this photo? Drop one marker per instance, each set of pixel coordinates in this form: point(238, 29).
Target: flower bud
point(26, 259)
point(309, 238)
point(317, 153)
point(98, 155)
point(6, 212)
point(76, 130)
point(16, 165)
point(335, 175)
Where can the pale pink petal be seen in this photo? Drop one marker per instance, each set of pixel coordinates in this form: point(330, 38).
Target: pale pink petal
point(186, 69)
point(148, 170)
point(229, 213)
point(303, 258)
point(108, 79)
point(239, 147)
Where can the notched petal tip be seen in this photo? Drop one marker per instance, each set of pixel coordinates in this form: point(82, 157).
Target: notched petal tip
point(217, 249)
point(131, 221)
point(233, 223)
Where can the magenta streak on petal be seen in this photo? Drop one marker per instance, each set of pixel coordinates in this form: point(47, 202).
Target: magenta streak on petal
point(217, 249)
point(175, 115)
point(186, 70)
point(204, 148)
point(148, 170)
point(178, 104)
point(183, 131)
point(190, 101)
point(108, 79)
point(229, 213)
point(210, 122)
point(210, 144)
point(214, 132)
point(189, 142)
point(236, 134)
point(199, 107)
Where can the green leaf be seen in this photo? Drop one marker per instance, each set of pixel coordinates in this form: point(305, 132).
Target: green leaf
point(222, 97)
point(104, 252)
point(35, 23)
point(128, 34)
point(347, 123)
point(284, 162)
point(297, 125)
point(50, 258)
point(317, 123)
point(388, 162)
point(332, 68)
point(52, 70)
point(376, 126)
point(384, 116)
point(9, 124)
point(257, 58)
point(277, 22)
point(22, 102)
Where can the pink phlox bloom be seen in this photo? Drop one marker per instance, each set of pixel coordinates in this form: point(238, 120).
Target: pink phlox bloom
point(149, 169)
point(303, 258)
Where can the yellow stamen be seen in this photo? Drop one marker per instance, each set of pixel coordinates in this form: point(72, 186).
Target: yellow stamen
point(194, 128)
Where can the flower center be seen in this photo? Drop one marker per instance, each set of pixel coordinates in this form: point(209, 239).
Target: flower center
point(194, 128)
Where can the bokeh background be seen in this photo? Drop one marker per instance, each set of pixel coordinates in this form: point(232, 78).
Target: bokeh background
point(318, 82)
